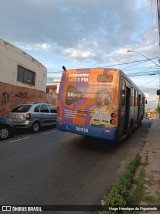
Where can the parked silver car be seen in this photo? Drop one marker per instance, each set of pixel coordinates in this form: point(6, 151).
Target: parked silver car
point(33, 115)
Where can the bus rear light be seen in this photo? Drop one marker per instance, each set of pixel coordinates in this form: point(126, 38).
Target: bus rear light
point(28, 116)
point(59, 124)
point(112, 121)
point(58, 108)
point(110, 132)
point(114, 115)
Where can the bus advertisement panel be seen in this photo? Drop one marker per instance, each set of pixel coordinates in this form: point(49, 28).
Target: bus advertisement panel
point(88, 102)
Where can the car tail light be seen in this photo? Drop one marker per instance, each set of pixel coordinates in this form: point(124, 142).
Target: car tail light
point(28, 116)
point(114, 115)
point(112, 121)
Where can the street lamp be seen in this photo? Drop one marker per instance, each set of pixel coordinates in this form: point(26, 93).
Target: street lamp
point(153, 74)
point(143, 56)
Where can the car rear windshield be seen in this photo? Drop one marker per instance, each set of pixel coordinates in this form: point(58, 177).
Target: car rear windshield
point(21, 108)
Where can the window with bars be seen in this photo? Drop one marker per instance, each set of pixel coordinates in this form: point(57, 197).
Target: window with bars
point(25, 75)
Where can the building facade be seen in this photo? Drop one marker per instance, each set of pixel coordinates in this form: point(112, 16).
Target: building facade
point(22, 78)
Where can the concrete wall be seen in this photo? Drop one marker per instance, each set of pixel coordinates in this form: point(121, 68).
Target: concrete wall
point(11, 57)
point(13, 92)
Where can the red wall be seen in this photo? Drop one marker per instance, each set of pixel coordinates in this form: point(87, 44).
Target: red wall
point(11, 96)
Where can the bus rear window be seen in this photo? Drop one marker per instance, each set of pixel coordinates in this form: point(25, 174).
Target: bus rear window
point(104, 78)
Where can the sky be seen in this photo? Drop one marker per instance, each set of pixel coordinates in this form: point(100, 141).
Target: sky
point(88, 34)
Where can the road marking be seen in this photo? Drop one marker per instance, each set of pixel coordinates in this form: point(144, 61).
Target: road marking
point(48, 132)
point(25, 138)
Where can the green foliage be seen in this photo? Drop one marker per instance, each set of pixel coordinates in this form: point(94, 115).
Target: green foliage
point(119, 194)
point(138, 193)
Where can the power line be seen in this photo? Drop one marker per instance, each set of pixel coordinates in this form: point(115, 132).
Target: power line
point(143, 73)
point(142, 68)
point(145, 83)
point(131, 62)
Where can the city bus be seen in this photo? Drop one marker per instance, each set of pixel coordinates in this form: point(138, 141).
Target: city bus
point(99, 102)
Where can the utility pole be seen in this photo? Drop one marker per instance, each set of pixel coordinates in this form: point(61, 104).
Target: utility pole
point(158, 93)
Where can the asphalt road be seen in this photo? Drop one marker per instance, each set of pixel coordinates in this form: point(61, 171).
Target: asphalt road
point(56, 168)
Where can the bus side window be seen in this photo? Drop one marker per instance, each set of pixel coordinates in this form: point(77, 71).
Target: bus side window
point(141, 102)
point(132, 97)
point(144, 100)
point(123, 93)
point(135, 97)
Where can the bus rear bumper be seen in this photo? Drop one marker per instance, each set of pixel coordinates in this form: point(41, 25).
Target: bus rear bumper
point(98, 132)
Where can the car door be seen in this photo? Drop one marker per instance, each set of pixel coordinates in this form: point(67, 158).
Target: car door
point(53, 112)
point(45, 115)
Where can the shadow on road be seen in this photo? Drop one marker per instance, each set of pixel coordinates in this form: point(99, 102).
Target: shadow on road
point(93, 144)
point(108, 147)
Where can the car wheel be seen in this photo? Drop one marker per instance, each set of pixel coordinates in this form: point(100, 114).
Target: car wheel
point(36, 127)
point(4, 132)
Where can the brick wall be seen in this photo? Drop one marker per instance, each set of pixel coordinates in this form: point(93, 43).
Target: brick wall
point(11, 96)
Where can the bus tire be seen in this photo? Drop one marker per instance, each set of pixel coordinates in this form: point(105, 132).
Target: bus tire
point(130, 130)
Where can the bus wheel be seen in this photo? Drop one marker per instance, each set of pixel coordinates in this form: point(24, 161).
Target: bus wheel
point(130, 130)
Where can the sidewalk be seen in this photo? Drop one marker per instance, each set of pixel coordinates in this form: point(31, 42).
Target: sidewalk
point(151, 156)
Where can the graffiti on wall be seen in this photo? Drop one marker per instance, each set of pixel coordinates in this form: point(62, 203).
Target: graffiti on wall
point(6, 97)
point(21, 94)
point(11, 96)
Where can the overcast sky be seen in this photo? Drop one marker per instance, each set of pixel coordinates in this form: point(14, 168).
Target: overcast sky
point(85, 33)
